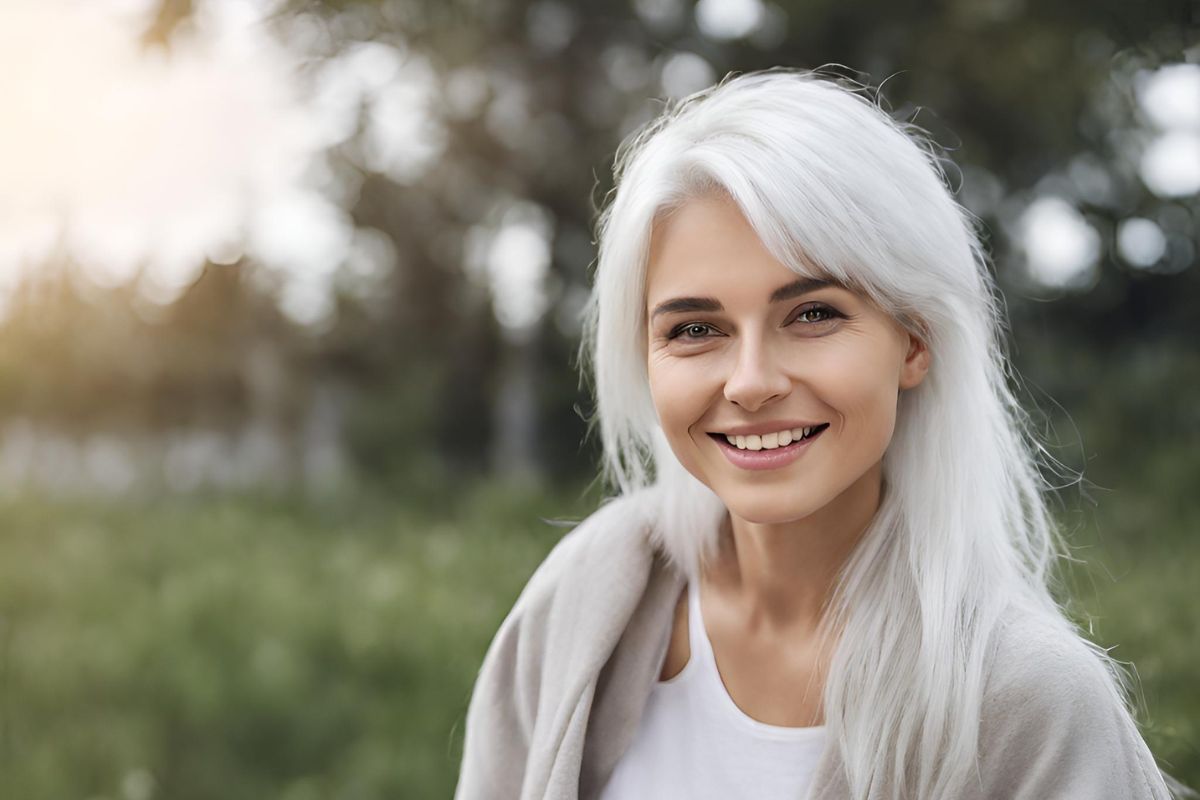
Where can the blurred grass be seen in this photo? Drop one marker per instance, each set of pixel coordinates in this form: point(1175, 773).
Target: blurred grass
point(256, 648)
point(1135, 592)
point(247, 648)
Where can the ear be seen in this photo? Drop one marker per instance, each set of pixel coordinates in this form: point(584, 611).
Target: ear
point(916, 362)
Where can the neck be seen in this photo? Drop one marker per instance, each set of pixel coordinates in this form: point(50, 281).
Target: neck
point(780, 575)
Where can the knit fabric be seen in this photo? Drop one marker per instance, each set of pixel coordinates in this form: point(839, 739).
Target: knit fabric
point(564, 683)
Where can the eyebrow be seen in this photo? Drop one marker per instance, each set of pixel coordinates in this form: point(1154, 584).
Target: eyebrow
point(786, 292)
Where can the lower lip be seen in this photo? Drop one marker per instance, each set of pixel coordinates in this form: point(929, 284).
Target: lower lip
point(764, 459)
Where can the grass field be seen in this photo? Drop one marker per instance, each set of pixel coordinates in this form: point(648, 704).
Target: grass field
point(254, 648)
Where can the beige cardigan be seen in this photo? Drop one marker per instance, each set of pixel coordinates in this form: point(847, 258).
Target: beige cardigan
point(561, 689)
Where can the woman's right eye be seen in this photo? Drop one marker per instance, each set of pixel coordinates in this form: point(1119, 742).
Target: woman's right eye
point(690, 330)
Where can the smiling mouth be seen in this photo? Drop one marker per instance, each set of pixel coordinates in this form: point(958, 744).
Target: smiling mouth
point(771, 441)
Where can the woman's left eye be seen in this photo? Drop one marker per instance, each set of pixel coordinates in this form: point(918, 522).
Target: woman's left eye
point(814, 314)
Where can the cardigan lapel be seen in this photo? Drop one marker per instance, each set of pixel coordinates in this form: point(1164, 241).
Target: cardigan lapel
point(625, 682)
point(604, 629)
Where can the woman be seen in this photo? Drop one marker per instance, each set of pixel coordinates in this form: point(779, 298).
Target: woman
point(825, 571)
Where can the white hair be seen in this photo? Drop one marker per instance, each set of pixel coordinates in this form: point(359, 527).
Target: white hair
point(836, 188)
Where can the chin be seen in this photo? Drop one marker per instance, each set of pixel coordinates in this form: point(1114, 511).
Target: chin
point(769, 507)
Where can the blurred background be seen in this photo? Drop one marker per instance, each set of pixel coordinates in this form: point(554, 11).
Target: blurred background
point(289, 309)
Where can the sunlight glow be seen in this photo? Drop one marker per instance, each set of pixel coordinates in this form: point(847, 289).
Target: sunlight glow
point(136, 164)
point(1061, 248)
point(728, 19)
point(1141, 242)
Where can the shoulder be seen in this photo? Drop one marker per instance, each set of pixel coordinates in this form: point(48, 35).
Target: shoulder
point(582, 583)
point(1040, 661)
point(613, 535)
point(608, 545)
point(1053, 719)
point(556, 634)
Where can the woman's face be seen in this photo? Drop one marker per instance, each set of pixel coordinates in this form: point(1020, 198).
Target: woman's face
point(739, 345)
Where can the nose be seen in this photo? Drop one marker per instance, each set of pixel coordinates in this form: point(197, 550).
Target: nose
point(757, 377)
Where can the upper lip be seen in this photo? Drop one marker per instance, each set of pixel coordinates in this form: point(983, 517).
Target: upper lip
point(759, 428)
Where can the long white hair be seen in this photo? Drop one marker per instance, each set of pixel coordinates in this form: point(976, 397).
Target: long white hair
point(836, 188)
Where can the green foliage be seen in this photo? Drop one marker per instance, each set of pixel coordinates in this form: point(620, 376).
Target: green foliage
point(252, 648)
point(242, 648)
point(1135, 593)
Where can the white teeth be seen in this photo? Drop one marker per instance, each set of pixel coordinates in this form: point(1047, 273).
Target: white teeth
point(769, 441)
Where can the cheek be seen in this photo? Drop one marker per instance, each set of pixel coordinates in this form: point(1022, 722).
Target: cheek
point(680, 396)
point(668, 389)
point(862, 391)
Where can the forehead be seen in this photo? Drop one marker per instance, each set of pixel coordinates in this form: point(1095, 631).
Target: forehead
point(706, 244)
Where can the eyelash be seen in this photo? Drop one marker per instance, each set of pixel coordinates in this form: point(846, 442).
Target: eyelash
point(829, 311)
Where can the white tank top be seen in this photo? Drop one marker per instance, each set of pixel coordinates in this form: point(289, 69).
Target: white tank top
point(694, 742)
